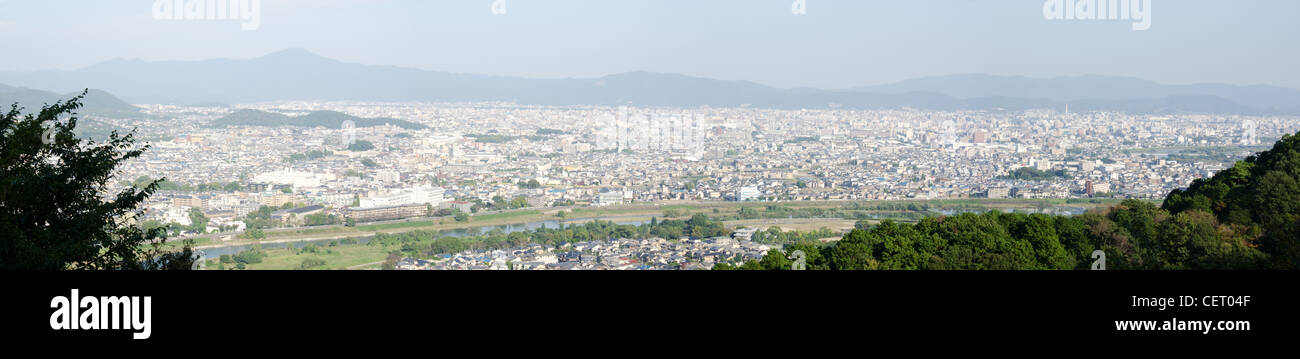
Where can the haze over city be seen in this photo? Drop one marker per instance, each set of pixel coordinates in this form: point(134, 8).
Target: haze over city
point(836, 44)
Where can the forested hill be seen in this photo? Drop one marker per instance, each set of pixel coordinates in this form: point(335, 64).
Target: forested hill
point(96, 103)
point(1260, 194)
point(1244, 217)
point(327, 119)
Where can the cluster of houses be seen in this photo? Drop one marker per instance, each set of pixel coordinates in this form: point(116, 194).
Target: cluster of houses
point(616, 254)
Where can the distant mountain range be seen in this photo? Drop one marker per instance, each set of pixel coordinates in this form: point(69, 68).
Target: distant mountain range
point(327, 119)
point(297, 74)
point(96, 103)
point(1102, 91)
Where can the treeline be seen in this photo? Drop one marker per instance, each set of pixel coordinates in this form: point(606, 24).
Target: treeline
point(242, 259)
point(1134, 235)
point(776, 235)
point(1245, 217)
point(496, 138)
point(309, 156)
point(165, 185)
point(427, 244)
point(1258, 197)
point(326, 119)
point(910, 211)
point(1034, 174)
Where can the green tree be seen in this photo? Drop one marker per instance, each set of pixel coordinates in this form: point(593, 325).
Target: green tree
point(853, 252)
point(1277, 200)
point(52, 214)
point(311, 262)
point(519, 202)
point(198, 221)
point(775, 260)
point(1040, 231)
point(361, 145)
point(254, 233)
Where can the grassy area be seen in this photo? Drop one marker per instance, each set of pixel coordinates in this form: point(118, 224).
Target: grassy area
point(680, 207)
point(500, 216)
point(310, 232)
point(387, 226)
point(337, 257)
point(177, 243)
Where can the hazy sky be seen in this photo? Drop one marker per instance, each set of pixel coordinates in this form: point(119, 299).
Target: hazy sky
point(838, 43)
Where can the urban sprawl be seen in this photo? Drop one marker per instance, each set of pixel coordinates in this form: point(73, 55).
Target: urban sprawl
point(482, 157)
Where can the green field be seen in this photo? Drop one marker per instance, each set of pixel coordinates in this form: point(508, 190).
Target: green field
point(336, 257)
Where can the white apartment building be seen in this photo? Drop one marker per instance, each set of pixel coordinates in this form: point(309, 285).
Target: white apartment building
point(417, 195)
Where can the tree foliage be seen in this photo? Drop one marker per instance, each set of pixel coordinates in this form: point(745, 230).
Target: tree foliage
point(55, 209)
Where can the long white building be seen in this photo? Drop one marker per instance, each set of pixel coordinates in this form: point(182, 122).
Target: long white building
point(405, 196)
